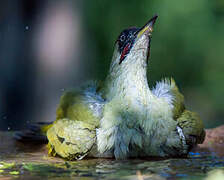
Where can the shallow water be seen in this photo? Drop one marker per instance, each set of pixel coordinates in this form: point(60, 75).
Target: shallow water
point(19, 161)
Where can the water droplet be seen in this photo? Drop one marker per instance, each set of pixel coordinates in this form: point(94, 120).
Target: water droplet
point(8, 128)
point(27, 27)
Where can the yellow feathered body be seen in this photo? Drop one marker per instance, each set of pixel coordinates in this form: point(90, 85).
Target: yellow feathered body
point(125, 118)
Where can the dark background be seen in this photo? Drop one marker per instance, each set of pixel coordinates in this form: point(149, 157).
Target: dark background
point(48, 46)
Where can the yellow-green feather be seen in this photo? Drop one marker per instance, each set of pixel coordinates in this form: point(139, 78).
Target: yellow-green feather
point(192, 125)
point(71, 139)
point(178, 101)
point(71, 106)
point(189, 121)
point(75, 124)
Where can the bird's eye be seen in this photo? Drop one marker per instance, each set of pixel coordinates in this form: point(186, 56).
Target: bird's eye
point(122, 38)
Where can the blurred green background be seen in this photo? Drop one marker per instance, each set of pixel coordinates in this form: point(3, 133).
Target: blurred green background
point(48, 46)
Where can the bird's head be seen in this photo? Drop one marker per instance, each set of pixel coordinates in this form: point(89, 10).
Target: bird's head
point(132, 45)
point(129, 62)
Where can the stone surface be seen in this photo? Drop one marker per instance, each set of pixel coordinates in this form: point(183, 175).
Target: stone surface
point(214, 141)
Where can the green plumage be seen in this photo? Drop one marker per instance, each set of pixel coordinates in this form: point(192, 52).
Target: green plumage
point(72, 106)
point(190, 122)
point(74, 132)
point(192, 126)
point(178, 100)
point(71, 139)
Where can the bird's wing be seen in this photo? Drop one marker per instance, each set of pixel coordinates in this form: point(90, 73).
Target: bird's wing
point(189, 122)
point(168, 90)
point(71, 139)
point(84, 104)
point(78, 115)
point(192, 127)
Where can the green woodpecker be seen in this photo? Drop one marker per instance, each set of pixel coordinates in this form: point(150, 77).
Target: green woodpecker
point(125, 118)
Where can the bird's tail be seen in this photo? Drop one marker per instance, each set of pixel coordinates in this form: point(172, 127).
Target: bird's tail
point(34, 133)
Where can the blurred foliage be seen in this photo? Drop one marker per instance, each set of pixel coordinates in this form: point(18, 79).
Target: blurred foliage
point(187, 45)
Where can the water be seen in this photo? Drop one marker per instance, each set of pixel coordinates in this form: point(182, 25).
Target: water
point(30, 161)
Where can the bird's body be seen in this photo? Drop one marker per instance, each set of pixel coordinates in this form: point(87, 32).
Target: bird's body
point(124, 117)
point(138, 121)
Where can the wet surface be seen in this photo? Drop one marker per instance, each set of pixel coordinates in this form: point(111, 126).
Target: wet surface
point(30, 161)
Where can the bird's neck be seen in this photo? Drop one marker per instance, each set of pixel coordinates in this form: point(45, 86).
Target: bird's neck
point(130, 83)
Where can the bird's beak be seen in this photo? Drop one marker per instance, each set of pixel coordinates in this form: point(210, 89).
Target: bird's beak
point(147, 28)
